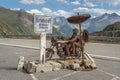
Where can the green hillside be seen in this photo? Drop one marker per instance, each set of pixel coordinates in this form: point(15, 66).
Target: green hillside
point(18, 23)
point(12, 24)
point(112, 30)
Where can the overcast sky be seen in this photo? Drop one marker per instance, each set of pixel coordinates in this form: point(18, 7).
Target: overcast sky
point(64, 8)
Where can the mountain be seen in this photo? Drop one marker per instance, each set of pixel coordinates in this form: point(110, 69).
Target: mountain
point(21, 23)
point(112, 30)
point(63, 25)
point(15, 22)
point(93, 25)
point(99, 23)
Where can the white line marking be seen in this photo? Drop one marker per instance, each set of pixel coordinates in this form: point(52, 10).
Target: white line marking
point(67, 75)
point(115, 77)
point(16, 45)
point(33, 77)
point(105, 57)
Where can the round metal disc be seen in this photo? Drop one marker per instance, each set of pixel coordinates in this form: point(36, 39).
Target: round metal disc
point(78, 19)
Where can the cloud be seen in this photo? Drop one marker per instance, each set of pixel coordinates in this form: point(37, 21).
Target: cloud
point(46, 10)
point(49, 12)
point(111, 3)
point(15, 9)
point(88, 4)
point(95, 11)
point(63, 1)
point(32, 1)
point(62, 13)
point(35, 11)
point(75, 2)
point(92, 10)
point(116, 3)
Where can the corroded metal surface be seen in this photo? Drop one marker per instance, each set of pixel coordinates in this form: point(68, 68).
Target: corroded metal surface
point(78, 19)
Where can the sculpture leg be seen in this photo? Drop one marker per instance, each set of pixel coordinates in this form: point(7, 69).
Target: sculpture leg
point(67, 50)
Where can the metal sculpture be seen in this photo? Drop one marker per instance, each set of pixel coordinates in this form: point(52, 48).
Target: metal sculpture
point(78, 20)
point(74, 47)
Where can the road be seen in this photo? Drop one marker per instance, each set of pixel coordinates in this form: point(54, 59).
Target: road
point(107, 69)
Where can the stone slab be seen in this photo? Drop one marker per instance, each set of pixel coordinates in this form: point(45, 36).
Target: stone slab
point(30, 67)
point(55, 65)
point(75, 66)
point(43, 68)
point(64, 64)
point(20, 63)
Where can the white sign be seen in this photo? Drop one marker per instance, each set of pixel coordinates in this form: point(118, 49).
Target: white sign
point(42, 24)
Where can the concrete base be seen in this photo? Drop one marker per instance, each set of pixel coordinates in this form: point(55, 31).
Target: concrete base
point(43, 68)
point(53, 65)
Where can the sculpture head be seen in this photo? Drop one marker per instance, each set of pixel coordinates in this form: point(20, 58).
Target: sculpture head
point(75, 31)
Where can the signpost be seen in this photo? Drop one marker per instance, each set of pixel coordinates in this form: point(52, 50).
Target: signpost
point(42, 25)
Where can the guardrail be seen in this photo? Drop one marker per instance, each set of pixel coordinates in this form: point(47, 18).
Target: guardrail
point(105, 39)
point(95, 38)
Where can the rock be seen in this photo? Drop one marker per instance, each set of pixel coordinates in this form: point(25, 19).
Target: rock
point(93, 65)
point(77, 61)
point(20, 63)
point(64, 64)
point(75, 66)
point(55, 65)
point(43, 68)
point(31, 67)
point(88, 62)
point(25, 66)
point(56, 69)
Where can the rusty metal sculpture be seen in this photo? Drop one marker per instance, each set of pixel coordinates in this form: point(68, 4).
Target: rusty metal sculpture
point(73, 47)
point(78, 20)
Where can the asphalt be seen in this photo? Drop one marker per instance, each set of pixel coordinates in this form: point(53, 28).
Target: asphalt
point(111, 50)
point(107, 69)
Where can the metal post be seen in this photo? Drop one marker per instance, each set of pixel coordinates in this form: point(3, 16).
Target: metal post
point(82, 49)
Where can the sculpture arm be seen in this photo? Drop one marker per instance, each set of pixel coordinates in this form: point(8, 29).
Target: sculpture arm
point(73, 40)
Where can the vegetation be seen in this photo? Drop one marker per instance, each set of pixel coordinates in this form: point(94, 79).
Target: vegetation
point(112, 30)
point(17, 24)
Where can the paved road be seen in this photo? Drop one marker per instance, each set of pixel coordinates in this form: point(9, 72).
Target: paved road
point(112, 50)
point(107, 70)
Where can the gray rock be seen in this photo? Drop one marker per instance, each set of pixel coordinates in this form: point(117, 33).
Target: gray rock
point(43, 68)
point(31, 67)
point(93, 65)
point(20, 63)
point(75, 66)
point(55, 65)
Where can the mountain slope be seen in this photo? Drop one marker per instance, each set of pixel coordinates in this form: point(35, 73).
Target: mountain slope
point(99, 23)
point(63, 25)
point(112, 30)
point(12, 24)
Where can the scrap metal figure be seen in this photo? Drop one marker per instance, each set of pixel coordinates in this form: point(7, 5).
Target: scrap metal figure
point(75, 45)
point(75, 42)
